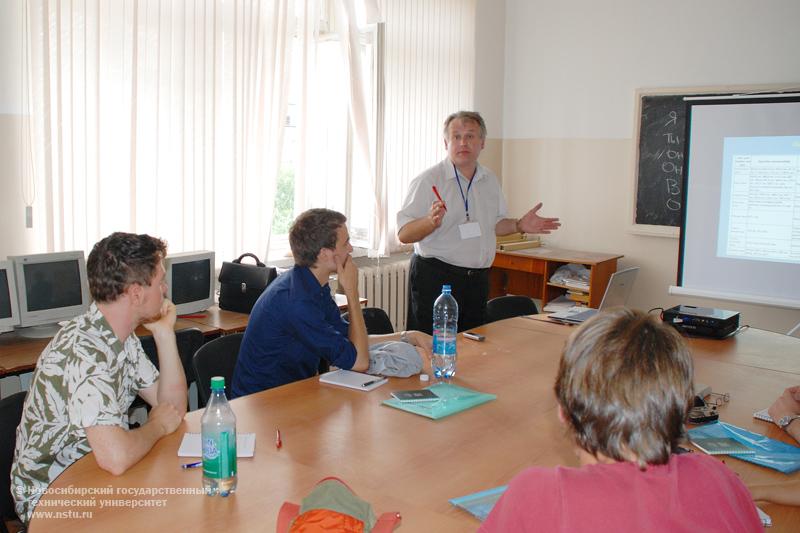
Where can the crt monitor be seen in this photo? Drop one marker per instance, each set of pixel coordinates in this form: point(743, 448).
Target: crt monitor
point(9, 312)
point(190, 281)
point(50, 288)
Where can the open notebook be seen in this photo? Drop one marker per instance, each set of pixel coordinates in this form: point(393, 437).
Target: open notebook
point(616, 295)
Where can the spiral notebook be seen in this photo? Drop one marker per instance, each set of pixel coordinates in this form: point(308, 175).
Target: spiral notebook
point(722, 446)
point(352, 380)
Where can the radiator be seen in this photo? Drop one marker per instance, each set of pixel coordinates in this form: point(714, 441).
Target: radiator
point(386, 286)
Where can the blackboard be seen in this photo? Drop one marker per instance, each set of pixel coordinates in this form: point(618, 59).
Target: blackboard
point(659, 178)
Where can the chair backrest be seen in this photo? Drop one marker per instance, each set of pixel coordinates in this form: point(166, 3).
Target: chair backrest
point(216, 358)
point(376, 320)
point(189, 340)
point(10, 415)
point(509, 306)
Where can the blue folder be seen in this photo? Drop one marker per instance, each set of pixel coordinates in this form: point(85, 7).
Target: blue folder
point(769, 452)
point(452, 399)
point(480, 504)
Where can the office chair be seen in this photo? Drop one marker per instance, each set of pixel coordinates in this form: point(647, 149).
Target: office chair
point(509, 306)
point(10, 415)
point(189, 340)
point(376, 320)
point(216, 358)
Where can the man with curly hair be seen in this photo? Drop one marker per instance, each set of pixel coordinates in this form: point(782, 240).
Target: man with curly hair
point(90, 373)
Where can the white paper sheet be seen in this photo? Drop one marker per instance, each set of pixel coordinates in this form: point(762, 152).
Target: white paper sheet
point(191, 446)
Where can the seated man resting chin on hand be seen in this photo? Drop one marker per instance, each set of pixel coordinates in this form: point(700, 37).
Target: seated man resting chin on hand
point(295, 324)
point(90, 373)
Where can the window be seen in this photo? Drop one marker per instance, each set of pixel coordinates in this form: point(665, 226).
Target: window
point(214, 124)
point(321, 165)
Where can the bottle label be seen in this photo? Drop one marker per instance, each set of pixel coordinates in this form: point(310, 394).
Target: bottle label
point(443, 343)
point(219, 455)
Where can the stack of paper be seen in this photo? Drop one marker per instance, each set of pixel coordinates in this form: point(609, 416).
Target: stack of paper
point(517, 241)
point(562, 303)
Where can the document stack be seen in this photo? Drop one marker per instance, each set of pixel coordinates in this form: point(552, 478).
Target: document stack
point(517, 241)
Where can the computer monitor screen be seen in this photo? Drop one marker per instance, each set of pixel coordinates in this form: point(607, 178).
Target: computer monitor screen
point(9, 313)
point(45, 288)
point(50, 288)
point(190, 281)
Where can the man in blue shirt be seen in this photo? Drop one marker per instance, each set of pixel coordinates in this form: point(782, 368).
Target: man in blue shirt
point(295, 323)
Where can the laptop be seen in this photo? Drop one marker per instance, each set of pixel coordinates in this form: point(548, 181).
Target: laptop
point(616, 295)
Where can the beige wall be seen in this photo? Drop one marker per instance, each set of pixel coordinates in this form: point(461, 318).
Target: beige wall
point(570, 76)
point(14, 236)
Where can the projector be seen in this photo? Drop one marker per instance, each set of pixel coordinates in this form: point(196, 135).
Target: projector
point(702, 321)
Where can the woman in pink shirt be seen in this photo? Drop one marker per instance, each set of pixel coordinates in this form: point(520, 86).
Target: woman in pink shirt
point(623, 388)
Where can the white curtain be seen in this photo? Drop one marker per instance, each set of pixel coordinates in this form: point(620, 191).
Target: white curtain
point(373, 101)
point(164, 117)
point(429, 73)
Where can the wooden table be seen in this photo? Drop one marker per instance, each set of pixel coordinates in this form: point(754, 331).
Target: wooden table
point(19, 355)
point(402, 462)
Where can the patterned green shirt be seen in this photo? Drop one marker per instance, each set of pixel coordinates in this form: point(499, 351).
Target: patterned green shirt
point(85, 377)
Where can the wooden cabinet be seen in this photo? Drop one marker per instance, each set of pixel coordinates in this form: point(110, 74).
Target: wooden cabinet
point(528, 272)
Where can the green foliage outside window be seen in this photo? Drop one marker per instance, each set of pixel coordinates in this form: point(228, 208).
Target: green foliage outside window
point(284, 203)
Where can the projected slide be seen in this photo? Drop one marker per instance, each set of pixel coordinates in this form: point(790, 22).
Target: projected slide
point(760, 199)
point(740, 240)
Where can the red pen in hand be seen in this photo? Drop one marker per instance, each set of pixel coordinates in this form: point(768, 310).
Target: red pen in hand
point(278, 442)
point(436, 192)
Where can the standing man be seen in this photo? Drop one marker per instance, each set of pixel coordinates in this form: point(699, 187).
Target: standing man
point(455, 236)
point(90, 373)
point(295, 323)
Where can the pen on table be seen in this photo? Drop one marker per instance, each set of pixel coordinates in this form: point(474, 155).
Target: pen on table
point(373, 382)
point(278, 442)
point(192, 465)
point(436, 192)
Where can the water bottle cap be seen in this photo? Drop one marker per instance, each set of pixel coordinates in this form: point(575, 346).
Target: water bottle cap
point(218, 383)
point(445, 288)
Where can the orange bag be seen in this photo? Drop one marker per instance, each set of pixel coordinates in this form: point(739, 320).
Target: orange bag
point(333, 506)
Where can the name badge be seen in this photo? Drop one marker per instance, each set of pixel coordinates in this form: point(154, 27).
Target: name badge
point(469, 230)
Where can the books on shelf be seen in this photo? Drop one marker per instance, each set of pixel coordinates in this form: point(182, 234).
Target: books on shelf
point(511, 237)
point(517, 241)
point(576, 284)
point(580, 297)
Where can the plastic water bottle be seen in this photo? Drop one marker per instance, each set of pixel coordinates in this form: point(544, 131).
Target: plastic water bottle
point(218, 433)
point(445, 328)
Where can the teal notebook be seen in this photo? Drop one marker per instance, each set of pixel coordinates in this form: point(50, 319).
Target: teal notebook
point(452, 399)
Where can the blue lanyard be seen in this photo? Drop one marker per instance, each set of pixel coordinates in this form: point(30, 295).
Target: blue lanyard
point(465, 197)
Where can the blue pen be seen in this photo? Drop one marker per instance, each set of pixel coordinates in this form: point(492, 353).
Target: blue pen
point(192, 465)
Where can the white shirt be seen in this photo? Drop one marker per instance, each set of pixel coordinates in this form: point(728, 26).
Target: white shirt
point(487, 207)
